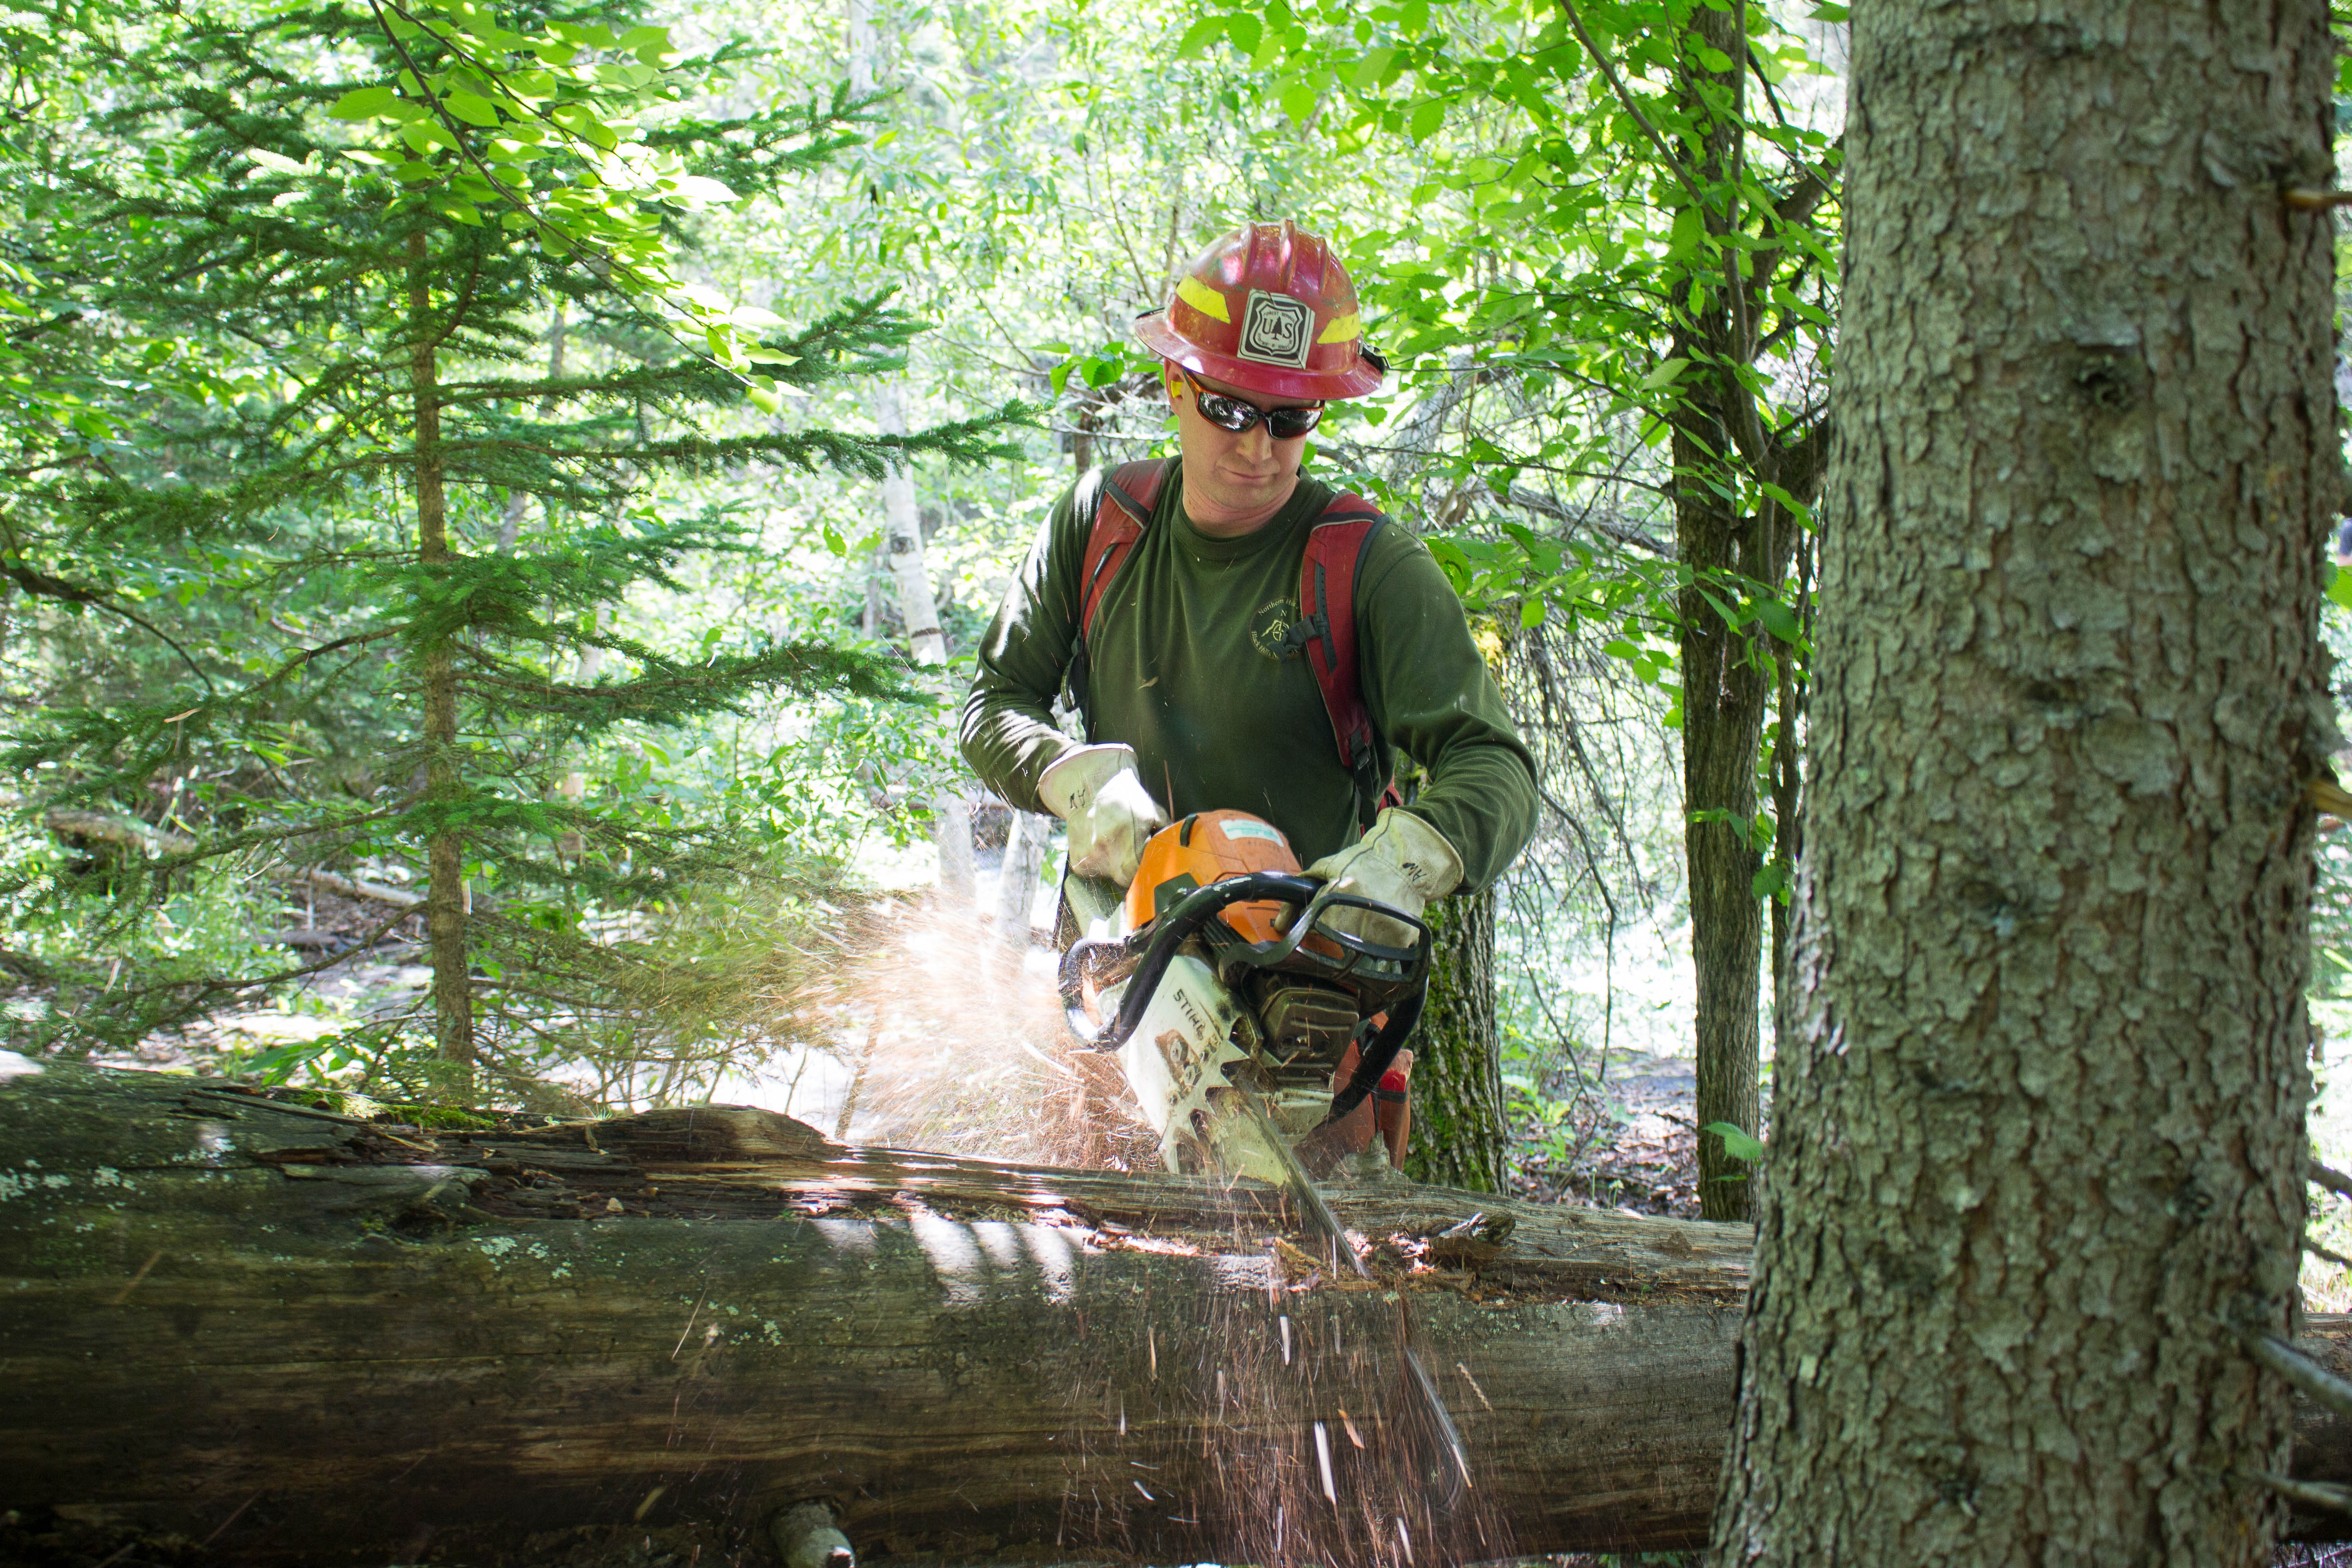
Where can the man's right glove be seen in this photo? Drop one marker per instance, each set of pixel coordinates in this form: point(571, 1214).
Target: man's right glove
point(1402, 862)
point(1111, 815)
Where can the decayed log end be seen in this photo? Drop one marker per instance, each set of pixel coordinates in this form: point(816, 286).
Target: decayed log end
point(299, 1338)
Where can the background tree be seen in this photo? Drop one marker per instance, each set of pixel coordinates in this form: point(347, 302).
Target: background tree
point(2038, 1149)
point(1636, 285)
point(386, 290)
point(1461, 1134)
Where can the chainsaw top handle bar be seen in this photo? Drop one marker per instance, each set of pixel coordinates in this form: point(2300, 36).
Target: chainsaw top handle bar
point(1156, 943)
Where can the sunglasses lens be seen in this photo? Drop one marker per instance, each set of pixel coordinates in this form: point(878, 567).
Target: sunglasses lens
point(1226, 413)
point(1289, 424)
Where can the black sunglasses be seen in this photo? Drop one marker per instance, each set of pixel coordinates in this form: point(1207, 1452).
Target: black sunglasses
point(1233, 413)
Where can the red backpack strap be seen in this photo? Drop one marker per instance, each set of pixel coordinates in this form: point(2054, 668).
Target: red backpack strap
point(1327, 609)
point(1121, 501)
point(1117, 505)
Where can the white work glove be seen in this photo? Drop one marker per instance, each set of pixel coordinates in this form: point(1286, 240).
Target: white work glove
point(1402, 862)
point(1111, 815)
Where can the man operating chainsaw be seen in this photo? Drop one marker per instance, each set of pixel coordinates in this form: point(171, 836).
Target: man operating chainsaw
point(1239, 638)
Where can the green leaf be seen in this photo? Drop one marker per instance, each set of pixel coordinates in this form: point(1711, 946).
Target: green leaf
point(1770, 881)
point(1829, 13)
point(1428, 117)
point(1297, 102)
point(2339, 585)
point(1739, 1145)
point(1244, 31)
point(472, 108)
point(1715, 60)
point(1199, 35)
point(1779, 620)
point(1531, 614)
point(1665, 375)
point(363, 103)
point(1375, 65)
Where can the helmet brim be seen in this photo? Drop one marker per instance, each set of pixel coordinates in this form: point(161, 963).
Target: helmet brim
point(1153, 332)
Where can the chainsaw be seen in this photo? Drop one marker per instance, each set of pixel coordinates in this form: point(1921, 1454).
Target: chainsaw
point(1229, 999)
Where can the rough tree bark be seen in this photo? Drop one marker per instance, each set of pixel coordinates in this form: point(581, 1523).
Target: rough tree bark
point(445, 898)
point(1459, 1136)
point(2038, 1149)
point(372, 1341)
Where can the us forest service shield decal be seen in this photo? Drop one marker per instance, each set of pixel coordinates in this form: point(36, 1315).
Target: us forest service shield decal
point(1277, 328)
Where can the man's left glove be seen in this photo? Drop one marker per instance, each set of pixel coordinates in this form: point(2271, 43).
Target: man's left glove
point(1402, 862)
point(1111, 816)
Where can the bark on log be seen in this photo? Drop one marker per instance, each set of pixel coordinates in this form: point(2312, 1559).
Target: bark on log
point(313, 1340)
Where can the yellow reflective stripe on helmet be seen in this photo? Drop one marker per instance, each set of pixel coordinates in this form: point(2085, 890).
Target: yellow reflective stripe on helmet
point(1344, 328)
point(1203, 299)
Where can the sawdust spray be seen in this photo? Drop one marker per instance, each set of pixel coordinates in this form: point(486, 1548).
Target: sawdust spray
point(956, 1043)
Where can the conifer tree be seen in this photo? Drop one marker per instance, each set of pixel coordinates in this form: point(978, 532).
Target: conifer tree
point(329, 238)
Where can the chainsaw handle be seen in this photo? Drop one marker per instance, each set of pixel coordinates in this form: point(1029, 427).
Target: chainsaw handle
point(1158, 942)
point(1073, 977)
point(1266, 955)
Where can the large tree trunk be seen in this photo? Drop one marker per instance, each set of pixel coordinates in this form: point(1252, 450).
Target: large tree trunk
point(1459, 1136)
point(2039, 1150)
point(310, 1340)
point(445, 898)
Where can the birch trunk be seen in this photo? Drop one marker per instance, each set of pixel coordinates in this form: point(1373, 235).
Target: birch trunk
point(1027, 838)
point(2039, 1146)
point(902, 542)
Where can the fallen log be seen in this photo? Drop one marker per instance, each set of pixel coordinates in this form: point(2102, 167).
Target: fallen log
point(307, 1338)
point(131, 833)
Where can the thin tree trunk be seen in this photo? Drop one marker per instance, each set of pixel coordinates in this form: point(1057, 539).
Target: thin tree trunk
point(572, 787)
point(903, 538)
point(519, 500)
point(902, 543)
point(2038, 1149)
point(1725, 692)
point(1459, 1135)
point(444, 899)
point(1025, 840)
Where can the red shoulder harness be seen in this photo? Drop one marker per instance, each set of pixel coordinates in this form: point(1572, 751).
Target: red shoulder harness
point(1122, 502)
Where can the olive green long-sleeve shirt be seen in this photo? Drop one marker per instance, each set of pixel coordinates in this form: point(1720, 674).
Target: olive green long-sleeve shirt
point(1185, 666)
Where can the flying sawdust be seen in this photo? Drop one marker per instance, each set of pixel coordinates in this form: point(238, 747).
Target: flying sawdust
point(958, 1045)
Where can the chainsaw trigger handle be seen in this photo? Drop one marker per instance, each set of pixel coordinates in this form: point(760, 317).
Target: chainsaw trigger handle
point(1080, 976)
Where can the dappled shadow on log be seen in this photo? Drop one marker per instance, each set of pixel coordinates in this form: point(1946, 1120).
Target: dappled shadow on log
point(309, 1338)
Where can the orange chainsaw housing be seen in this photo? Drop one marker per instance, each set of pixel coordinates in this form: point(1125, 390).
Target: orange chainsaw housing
point(1204, 847)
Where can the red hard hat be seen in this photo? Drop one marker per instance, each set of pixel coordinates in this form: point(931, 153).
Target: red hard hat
point(1267, 308)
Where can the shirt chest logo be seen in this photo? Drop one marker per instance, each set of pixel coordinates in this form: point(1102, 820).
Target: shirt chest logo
point(1270, 627)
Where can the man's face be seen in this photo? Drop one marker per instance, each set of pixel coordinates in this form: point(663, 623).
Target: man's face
point(1245, 473)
